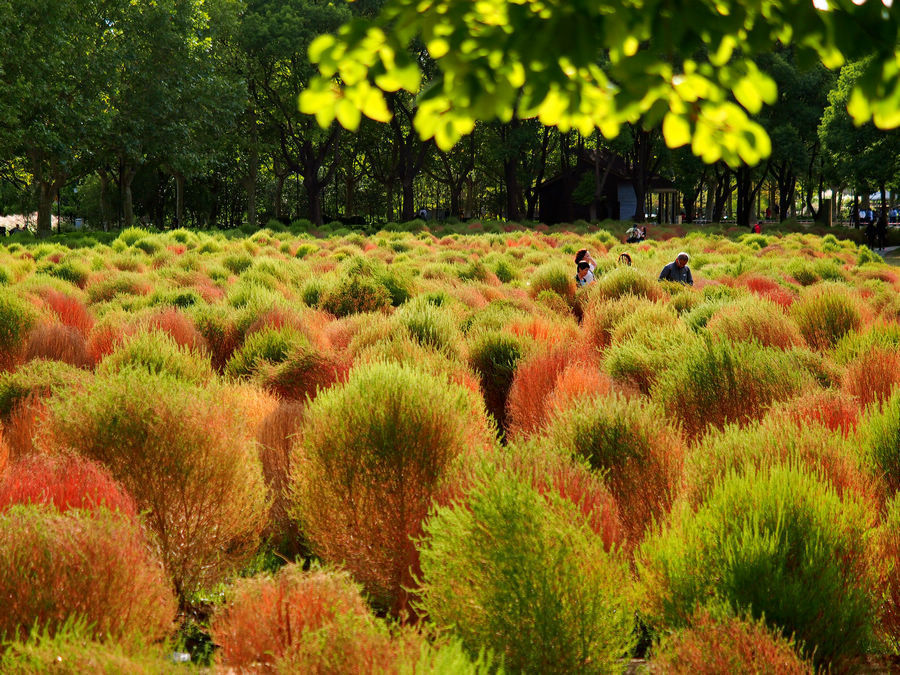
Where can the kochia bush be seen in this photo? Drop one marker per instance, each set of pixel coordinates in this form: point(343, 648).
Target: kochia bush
point(778, 544)
point(373, 452)
point(826, 313)
point(880, 432)
point(185, 457)
point(93, 565)
point(521, 574)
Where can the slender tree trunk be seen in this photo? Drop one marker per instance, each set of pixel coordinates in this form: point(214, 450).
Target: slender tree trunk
point(250, 184)
point(179, 197)
point(314, 187)
point(128, 173)
point(104, 199)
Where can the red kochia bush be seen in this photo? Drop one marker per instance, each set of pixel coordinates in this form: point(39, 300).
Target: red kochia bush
point(872, 376)
point(729, 645)
point(180, 328)
point(65, 481)
point(311, 622)
point(71, 311)
point(535, 382)
point(94, 565)
point(834, 409)
point(57, 342)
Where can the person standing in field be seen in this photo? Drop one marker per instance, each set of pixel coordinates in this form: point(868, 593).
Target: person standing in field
point(585, 266)
point(881, 231)
point(678, 271)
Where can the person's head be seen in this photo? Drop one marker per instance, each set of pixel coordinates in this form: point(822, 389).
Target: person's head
point(581, 255)
point(583, 269)
point(624, 259)
point(682, 259)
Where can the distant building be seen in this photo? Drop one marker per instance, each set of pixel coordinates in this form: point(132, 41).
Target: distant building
point(567, 196)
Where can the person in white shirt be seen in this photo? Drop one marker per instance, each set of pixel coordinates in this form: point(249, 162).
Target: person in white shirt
point(585, 265)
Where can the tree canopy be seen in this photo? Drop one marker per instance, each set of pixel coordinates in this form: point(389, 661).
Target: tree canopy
point(585, 64)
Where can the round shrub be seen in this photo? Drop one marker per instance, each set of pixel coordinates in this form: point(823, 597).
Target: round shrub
point(65, 481)
point(880, 432)
point(778, 440)
point(523, 575)
point(639, 455)
point(92, 565)
point(16, 319)
point(372, 454)
point(184, 455)
point(36, 379)
point(640, 361)
point(307, 622)
point(715, 382)
point(887, 553)
point(304, 372)
point(266, 346)
point(354, 295)
point(179, 327)
point(430, 326)
point(832, 408)
point(70, 311)
point(158, 354)
point(554, 277)
point(871, 377)
point(755, 319)
point(601, 315)
point(57, 342)
point(728, 645)
point(776, 544)
point(825, 314)
point(627, 281)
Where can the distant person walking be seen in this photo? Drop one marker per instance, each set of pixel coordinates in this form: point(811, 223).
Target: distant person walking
point(881, 231)
point(757, 228)
point(678, 271)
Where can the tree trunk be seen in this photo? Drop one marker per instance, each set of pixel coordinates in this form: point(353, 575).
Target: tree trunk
point(279, 193)
point(128, 173)
point(104, 199)
point(314, 187)
point(250, 183)
point(179, 198)
point(408, 207)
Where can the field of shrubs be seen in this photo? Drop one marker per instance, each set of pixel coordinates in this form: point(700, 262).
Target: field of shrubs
point(426, 452)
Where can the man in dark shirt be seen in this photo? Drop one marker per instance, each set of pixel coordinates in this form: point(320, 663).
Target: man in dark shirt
point(678, 270)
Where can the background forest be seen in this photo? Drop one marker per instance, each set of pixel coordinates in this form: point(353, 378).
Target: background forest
point(186, 112)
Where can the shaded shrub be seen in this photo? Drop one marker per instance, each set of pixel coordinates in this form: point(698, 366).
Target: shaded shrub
point(16, 319)
point(183, 454)
point(219, 329)
point(158, 354)
point(57, 342)
point(494, 355)
point(311, 622)
point(714, 383)
point(754, 319)
point(880, 431)
point(354, 295)
point(871, 377)
point(303, 373)
point(65, 481)
point(639, 456)
point(274, 437)
point(601, 315)
point(777, 544)
point(728, 645)
point(106, 288)
point(523, 575)
point(363, 485)
point(640, 361)
point(825, 314)
point(92, 565)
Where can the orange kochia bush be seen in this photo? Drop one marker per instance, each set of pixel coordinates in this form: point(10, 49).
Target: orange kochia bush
point(372, 454)
point(186, 457)
point(94, 565)
point(312, 622)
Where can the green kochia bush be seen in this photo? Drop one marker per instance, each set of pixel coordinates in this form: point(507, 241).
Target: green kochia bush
point(269, 345)
point(159, 354)
point(374, 452)
point(494, 355)
point(16, 318)
point(777, 544)
point(881, 440)
point(716, 382)
point(523, 575)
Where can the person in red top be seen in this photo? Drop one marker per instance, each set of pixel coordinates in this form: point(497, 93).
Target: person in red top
point(757, 228)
